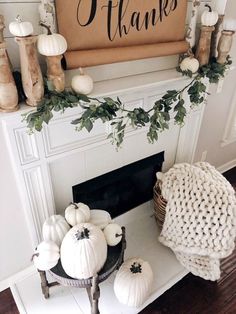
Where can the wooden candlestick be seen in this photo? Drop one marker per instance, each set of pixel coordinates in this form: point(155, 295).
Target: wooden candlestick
point(215, 36)
point(32, 79)
point(8, 91)
point(55, 73)
point(224, 46)
point(204, 45)
point(2, 26)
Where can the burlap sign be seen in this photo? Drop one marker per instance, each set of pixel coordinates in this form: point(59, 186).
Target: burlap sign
point(108, 31)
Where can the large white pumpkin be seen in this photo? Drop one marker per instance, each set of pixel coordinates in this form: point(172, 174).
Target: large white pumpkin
point(51, 44)
point(55, 228)
point(19, 28)
point(100, 218)
point(133, 282)
point(82, 83)
point(46, 255)
point(113, 234)
point(77, 213)
point(83, 251)
point(209, 18)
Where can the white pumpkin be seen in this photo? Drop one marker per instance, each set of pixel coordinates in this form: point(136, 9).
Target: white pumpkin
point(46, 255)
point(82, 83)
point(55, 228)
point(20, 28)
point(83, 251)
point(77, 213)
point(189, 64)
point(100, 218)
point(229, 25)
point(113, 234)
point(51, 44)
point(133, 282)
point(209, 18)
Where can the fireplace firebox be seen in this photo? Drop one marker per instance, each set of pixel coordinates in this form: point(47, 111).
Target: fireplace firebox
point(122, 189)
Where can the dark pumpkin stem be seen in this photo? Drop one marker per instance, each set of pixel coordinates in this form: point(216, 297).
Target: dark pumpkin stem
point(207, 6)
point(47, 27)
point(81, 235)
point(118, 235)
point(76, 206)
point(136, 268)
point(35, 254)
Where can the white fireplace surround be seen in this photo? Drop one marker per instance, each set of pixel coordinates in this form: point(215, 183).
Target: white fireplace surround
point(49, 163)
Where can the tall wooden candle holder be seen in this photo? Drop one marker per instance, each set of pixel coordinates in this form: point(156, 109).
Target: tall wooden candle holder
point(32, 78)
point(204, 45)
point(224, 46)
point(8, 91)
point(55, 74)
point(215, 36)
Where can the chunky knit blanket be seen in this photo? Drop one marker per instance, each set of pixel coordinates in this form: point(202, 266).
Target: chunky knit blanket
point(200, 221)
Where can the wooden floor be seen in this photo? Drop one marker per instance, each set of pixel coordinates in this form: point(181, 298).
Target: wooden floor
point(192, 295)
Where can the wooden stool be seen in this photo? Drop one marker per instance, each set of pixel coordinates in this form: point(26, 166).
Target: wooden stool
point(115, 257)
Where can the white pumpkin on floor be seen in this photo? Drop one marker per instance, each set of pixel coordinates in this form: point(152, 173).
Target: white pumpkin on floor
point(100, 218)
point(55, 228)
point(83, 251)
point(46, 255)
point(77, 213)
point(133, 282)
point(113, 234)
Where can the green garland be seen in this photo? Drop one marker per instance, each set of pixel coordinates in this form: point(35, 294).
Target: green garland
point(107, 109)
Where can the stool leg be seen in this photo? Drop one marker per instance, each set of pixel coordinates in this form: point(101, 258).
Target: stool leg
point(95, 295)
point(44, 284)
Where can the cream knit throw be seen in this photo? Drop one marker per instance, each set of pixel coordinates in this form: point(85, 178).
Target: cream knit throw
point(200, 221)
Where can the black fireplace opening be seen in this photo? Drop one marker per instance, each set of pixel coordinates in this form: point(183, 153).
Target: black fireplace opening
point(122, 189)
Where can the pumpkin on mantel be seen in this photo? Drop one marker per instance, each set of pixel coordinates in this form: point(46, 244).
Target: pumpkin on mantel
point(55, 228)
point(83, 251)
point(77, 213)
point(209, 18)
point(46, 255)
point(133, 282)
point(19, 28)
point(189, 64)
point(82, 83)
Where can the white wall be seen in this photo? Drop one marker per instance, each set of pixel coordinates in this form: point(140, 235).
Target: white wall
point(14, 239)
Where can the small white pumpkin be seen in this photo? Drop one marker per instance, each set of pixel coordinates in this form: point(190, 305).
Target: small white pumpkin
point(229, 25)
point(51, 44)
point(46, 255)
point(77, 213)
point(133, 282)
point(113, 234)
point(82, 83)
point(20, 28)
point(55, 228)
point(189, 64)
point(83, 251)
point(209, 18)
point(100, 218)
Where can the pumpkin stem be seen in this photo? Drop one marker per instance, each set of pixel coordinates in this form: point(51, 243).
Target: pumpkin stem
point(207, 6)
point(35, 254)
point(18, 19)
point(118, 235)
point(81, 235)
point(76, 206)
point(47, 27)
point(136, 268)
point(81, 71)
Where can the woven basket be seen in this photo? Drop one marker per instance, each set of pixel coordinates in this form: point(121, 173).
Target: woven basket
point(159, 204)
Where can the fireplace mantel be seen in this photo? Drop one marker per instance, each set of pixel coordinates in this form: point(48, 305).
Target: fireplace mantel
point(36, 158)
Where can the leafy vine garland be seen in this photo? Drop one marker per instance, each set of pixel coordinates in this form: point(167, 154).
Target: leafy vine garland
point(107, 109)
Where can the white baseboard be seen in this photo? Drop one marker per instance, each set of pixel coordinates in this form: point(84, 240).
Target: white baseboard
point(6, 283)
point(229, 165)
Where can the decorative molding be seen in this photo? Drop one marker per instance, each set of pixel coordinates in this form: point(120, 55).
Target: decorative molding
point(27, 146)
point(191, 31)
point(47, 14)
point(229, 165)
point(230, 129)
point(39, 196)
